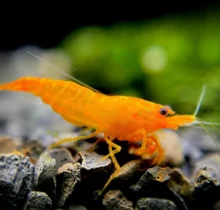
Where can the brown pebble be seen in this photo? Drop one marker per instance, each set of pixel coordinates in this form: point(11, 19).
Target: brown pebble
point(180, 183)
point(114, 200)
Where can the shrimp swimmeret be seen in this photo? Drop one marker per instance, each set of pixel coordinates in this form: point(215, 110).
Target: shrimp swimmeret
point(121, 117)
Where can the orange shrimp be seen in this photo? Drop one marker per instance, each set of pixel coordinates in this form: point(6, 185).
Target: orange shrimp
point(125, 118)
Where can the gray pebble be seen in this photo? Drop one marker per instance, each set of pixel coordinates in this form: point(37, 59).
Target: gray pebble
point(151, 176)
point(67, 177)
point(210, 161)
point(92, 161)
point(38, 201)
point(62, 156)
point(16, 175)
point(115, 200)
point(45, 172)
point(23, 182)
point(155, 204)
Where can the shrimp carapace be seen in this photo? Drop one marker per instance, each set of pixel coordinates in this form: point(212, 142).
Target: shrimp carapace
point(118, 117)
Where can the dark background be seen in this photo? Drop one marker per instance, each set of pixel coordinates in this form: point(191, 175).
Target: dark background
point(45, 25)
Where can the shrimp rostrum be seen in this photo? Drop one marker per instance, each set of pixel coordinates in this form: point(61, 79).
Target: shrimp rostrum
point(117, 117)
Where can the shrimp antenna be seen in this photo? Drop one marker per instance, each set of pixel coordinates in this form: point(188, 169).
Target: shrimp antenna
point(203, 123)
point(63, 72)
point(214, 128)
point(200, 100)
point(203, 126)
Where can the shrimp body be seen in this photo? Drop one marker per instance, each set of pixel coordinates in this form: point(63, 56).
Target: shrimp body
point(125, 118)
point(117, 116)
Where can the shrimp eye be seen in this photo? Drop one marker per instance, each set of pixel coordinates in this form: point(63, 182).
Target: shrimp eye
point(163, 111)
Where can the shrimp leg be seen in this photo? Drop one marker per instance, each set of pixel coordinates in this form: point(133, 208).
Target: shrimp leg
point(112, 152)
point(149, 145)
point(74, 139)
point(112, 155)
point(153, 145)
point(160, 151)
point(145, 142)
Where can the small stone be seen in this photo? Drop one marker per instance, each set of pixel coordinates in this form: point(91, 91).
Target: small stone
point(8, 169)
point(16, 175)
point(206, 179)
point(154, 183)
point(68, 176)
point(152, 176)
point(62, 156)
point(38, 200)
point(45, 172)
point(128, 170)
point(92, 161)
point(127, 175)
point(114, 200)
point(206, 188)
point(95, 172)
point(155, 204)
point(211, 161)
point(180, 183)
point(23, 182)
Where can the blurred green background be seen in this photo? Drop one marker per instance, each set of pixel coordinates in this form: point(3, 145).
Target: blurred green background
point(166, 60)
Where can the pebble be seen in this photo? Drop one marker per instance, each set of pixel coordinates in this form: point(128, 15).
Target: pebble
point(210, 161)
point(151, 176)
point(154, 183)
point(68, 176)
point(155, 204)
point(115, 200)
point(62, 156)
point(45, 172)
point(16, 180)
point(206, 179)
point(38, 201)
point(127, 175)
point(180, 183)
point(128, 170)
point(92, 161)
point(206, 188)
point(95, 173)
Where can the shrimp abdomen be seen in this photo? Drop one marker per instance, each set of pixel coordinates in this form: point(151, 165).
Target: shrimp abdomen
point(65, 97)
